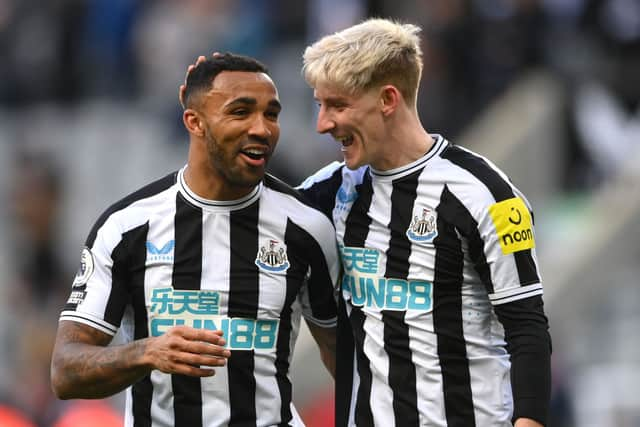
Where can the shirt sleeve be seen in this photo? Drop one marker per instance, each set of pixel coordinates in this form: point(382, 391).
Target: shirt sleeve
point(507, 254)
point(514, 286)
point(529, 344)
point(92, 286)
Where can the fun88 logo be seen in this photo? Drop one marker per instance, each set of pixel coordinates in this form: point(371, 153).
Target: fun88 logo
point(362, 284)
point(388, 294)
point(198, 309)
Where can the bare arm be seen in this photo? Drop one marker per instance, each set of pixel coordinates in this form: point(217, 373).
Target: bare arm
point(326, 340)
point(84, 366)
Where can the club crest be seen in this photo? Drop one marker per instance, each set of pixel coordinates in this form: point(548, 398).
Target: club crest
point(423, 228)
point(272, 258)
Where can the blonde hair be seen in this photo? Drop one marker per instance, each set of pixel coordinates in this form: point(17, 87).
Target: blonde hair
point(372, 53)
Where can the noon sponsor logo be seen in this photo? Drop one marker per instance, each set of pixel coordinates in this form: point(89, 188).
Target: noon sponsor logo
point(513, 225)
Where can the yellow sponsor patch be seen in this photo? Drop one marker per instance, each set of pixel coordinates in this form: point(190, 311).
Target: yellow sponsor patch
point(513, 224)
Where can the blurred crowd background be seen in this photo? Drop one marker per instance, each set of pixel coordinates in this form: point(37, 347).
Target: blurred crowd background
point(548, 89)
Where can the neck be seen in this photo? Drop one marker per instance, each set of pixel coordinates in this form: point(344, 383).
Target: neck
point(406, 141)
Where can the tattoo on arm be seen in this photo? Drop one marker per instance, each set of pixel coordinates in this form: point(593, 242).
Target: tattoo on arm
point(83, 366)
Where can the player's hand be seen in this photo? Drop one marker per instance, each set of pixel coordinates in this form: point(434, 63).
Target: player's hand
point(183, 86)
point(527, 422)
point(187, 351)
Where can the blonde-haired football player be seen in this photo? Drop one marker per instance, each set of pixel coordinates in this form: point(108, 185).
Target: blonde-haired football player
point(441, 319)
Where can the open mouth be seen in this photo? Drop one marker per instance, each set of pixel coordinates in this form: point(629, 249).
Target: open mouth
point(254, 153)
point(344, 140)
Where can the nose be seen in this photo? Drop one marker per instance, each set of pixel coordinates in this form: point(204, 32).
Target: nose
point(325, 122)
point(260, 128)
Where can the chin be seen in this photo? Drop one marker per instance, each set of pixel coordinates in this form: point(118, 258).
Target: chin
point(353, 164)
point(255, 180)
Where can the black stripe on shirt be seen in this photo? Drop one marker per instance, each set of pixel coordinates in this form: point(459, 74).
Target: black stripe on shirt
point(358, 220)
point(403, 197)
point(295, 240)
point(147, 191)
point(320, 284)
point(478, 167)
point(128, 269)
point(283, 352)
point(447, 321)
point(402, 371)
point(459, 216)
point(344, 366)
point(501, 190)
point(355, 235)
point(141, 391)
point(243, 302)
point(280, 186)
point(363, 414)
point(187, 272)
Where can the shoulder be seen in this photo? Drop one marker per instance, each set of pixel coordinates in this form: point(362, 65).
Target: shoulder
point(329, 173)
point(276, 184)
point(474, 184)
point(333, 175)
point(469, 169)
point(284, 193)
point(147, 192)
point(292, 203)
point(322, 187)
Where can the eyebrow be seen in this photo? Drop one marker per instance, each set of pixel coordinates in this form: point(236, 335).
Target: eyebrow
point(331, 100)
point(275, 103)
point(245, 100)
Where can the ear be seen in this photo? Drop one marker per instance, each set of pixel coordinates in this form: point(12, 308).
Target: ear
point(390, 98)
point(192, 122)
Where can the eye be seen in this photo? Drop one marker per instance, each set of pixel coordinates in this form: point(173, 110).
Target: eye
point(240, 112)
point(272, 115)
point(337, 105)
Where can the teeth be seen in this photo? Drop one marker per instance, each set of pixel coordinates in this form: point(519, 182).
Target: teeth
point(255, 151)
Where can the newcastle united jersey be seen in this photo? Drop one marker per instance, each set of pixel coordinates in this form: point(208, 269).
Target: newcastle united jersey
point(250, 267)
point(430, 253)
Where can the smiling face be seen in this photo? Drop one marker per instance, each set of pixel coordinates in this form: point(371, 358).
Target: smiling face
point(355, 121)
point(239, 121)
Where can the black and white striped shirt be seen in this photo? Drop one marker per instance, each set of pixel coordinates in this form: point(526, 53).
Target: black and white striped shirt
point(440, 286)
point(164, 256)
